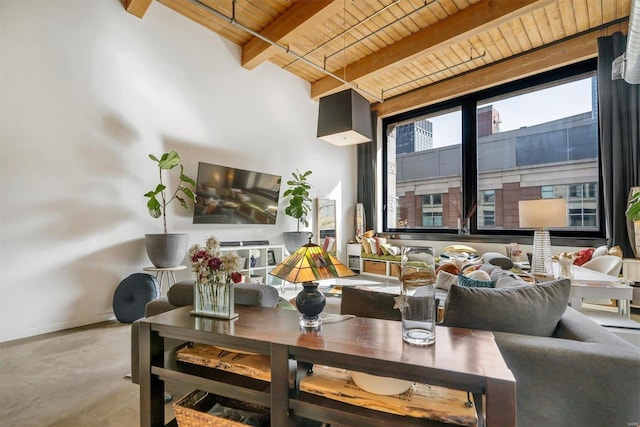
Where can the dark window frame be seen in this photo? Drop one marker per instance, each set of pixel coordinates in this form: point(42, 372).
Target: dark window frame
point(468, 104)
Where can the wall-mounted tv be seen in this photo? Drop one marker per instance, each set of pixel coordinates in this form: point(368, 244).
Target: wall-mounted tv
point(226, 195)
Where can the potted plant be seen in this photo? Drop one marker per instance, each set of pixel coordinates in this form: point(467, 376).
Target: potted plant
point(633, 220)
point(298, 208)
point(168, 250)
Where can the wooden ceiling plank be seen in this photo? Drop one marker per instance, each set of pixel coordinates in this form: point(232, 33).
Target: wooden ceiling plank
point(137, 7)
point(555, 22)
point(533, 33)
point(608, 11)
point(542, 22)
point(437, 11)
point(301, 16)
point(557, 55)
point(568, 16)
point(582, 15)
point(520, 34)
point(594, 10)
point(478, 17)
point(449, 6)
point(500, 42)
point(486, 44)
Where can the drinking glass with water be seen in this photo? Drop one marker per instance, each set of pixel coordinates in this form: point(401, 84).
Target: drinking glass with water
point(418, 295)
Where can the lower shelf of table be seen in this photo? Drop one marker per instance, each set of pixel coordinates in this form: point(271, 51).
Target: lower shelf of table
point(329, 395)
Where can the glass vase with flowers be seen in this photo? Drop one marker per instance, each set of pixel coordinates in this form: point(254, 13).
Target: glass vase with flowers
point(216, 273)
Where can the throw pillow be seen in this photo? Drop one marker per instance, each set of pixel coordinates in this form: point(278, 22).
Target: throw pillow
point(181, 293)
point(599, 251)
point(584, 255)
point(366, 246)
point(372, 245)
point(471, 282)
point(379, 242)
point(444, 280)
point(500, 260)
point(529, 309)
point(393, 250)
point(385, 248)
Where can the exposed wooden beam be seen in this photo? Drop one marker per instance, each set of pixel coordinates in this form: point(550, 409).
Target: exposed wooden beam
point(298, 18)
point(137, 7)
point(556, 55)
point(472, 20)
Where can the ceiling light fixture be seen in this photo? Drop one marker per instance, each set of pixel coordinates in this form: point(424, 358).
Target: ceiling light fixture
point(344, 118)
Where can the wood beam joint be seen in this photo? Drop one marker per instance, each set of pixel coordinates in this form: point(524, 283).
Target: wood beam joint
point(455, 28)
point(301, 16)
point(136, 7)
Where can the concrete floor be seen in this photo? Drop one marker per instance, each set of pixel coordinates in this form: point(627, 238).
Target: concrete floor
point(69, 378)
point(76, 378)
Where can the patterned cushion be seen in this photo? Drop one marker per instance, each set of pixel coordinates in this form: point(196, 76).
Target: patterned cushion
point(583, 256)
point(469, 282)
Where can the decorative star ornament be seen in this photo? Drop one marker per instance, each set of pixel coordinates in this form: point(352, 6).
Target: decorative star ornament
point(400, 302)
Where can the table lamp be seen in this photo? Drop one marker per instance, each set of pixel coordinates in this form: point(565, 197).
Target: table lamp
point(310, 262)
point(541, 214)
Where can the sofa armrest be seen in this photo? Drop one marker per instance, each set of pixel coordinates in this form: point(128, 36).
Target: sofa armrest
point(575, 326)
point(563, 382)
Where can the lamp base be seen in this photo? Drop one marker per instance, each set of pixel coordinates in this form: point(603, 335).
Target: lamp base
point(541, 259)
point(310, 303)
point(310, 322)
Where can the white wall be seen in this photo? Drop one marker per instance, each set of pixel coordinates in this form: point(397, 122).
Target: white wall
point(88, 91)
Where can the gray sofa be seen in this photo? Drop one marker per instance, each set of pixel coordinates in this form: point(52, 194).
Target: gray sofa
point(181, 294)
point(569, 370)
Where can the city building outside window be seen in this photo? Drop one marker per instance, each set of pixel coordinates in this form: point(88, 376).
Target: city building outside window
point(538, 141)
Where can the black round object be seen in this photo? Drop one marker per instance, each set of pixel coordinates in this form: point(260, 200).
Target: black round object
point(132, 295)
point(310, 302)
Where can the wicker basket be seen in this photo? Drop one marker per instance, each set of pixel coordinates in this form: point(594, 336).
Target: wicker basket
point(191, 410)
point(375, 267)
point(395, 268)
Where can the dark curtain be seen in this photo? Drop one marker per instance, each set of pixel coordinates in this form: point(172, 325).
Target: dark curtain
point(619, 140)
point(366, 193)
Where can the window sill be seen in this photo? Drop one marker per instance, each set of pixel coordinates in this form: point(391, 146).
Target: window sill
point(492, 238)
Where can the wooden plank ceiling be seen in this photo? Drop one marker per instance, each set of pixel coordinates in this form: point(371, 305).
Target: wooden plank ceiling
point(402, 54)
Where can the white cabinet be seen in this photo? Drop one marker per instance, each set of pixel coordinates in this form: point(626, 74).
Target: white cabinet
point(353, 256)
point(265, 259)
point(631, 271)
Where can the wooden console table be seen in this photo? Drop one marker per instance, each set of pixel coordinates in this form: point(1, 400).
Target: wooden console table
point(461, 359)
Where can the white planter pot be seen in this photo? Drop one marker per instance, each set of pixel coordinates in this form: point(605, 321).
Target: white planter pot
point(167, 250)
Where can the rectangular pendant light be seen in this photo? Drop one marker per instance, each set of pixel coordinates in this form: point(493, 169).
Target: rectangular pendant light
point(344, 118)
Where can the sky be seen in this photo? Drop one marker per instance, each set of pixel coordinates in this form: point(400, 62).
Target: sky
point(524, 110)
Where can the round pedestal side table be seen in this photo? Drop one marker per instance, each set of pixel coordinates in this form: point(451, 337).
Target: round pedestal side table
point(166, 273)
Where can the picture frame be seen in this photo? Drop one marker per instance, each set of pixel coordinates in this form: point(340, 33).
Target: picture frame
point(271, 257)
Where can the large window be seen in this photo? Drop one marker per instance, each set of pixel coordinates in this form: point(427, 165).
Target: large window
point(479, 155)
point(424, 157)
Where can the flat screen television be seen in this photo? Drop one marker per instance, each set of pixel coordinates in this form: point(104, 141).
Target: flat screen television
point(226, 195)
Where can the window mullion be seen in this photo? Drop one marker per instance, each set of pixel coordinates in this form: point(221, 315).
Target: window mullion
point(469, 159)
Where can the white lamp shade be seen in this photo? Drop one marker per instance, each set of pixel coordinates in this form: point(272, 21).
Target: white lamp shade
point(542, 213)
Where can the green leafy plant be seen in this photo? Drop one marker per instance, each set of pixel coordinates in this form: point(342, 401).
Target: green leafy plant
point(299, 202)
point(184, 191)
point(633, 210)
